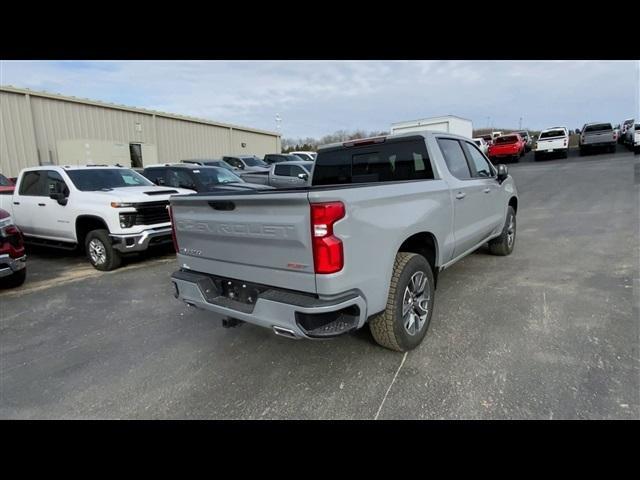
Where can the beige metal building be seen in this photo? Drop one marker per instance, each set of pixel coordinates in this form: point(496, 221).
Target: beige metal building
point(39, 128)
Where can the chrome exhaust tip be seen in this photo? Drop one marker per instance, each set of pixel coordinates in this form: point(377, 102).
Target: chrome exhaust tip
point(284, 332)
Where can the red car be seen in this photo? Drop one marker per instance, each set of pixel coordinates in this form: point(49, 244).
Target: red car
point(13, 266)
point(507, 146)
point(6, 185)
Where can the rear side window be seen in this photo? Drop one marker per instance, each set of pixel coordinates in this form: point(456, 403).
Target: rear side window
point(454, 158)
point(381, 162)
point(32, 184)
point(598, 127)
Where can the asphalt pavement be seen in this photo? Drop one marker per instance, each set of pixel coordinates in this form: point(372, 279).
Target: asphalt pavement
point(551, 331)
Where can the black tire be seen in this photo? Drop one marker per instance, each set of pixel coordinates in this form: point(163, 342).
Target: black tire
point(565, 154)
point(504, 244)
point(612, 148)
point(583, 151)
point(536, 157)
point(101, 255)
point(15, 279)
point(387, 327)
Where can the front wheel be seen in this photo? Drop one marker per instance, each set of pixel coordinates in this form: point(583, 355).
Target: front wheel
point(404, 322)
point(503, 245)
point(15, 279)
point(100, 251)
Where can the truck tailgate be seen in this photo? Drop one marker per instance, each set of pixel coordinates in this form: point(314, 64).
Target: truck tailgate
point(598, 137)
point(260, 238)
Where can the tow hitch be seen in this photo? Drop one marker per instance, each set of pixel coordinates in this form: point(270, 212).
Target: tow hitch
point(229, 322)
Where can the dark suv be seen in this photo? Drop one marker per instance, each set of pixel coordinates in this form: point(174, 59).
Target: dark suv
point(281, 157)
point(212, 163)
point(197, 177)
point(247, 163)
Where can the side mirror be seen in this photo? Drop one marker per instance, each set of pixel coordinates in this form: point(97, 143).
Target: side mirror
point(56, 193)
point(577, 131)
point(159, 181)
point(503, 172)
point(303, 176)
point(59, 197)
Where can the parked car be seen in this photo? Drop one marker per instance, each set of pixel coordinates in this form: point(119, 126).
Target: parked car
point(6, 185)
point(507, 146)
point(281, 157)
point(597, 136)
point(247, 163)
point(13, 259)
point(213, 163)
point(528, 140)
point(311, 156)
point(482, 145)
point(283, 175)
point(632, 138)
point(197, 178)
point(364, 243)
point(110, 211)
point(552, 141)
point(624, 128)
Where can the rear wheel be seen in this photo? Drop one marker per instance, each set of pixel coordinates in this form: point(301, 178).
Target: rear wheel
point(503, 245)
point(583, 151)
point(565, 154)
point(100, 252)
point(404, 322)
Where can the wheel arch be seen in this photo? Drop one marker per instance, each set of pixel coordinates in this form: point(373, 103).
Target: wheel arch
point(86, 223)
point(426, 244)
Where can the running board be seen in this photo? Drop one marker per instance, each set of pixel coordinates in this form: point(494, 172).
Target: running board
point(41, 242)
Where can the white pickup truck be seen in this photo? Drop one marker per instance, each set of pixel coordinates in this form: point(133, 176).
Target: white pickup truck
point(554, 140)
point(109, 211)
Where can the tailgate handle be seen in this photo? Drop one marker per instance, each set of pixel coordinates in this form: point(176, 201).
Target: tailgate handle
point(222, 205)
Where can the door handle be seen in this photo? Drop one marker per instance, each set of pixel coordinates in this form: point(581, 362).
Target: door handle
point(16, 203)
point(460, 195)
point(42, 204)
point(487, 190)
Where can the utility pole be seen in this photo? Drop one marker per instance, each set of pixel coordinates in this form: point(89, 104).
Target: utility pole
point(278, 120)
point(520, 126)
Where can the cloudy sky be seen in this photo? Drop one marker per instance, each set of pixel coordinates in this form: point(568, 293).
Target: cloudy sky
point(315, 98)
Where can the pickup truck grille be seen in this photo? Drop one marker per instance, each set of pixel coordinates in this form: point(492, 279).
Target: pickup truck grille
point(151, 213)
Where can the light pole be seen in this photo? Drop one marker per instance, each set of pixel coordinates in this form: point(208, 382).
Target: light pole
point(520, 126)
point(278, 120)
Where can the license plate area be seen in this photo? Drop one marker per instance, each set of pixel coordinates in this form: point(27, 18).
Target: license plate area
point(238, 291)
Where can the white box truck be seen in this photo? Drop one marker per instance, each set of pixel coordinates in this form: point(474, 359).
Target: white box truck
point(448, 124)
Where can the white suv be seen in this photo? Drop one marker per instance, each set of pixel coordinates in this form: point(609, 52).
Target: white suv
point(109, 211)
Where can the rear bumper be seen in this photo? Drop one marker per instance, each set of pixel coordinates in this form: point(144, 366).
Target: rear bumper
point(137, 242)
point(8, 265)
point(291, 314)
point(608, 143)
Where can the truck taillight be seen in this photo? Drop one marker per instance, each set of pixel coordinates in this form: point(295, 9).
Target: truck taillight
point(565, 142)
point(328, 255)
point(173, 229)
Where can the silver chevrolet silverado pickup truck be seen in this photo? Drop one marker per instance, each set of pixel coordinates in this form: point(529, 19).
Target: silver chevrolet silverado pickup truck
point(363, 244)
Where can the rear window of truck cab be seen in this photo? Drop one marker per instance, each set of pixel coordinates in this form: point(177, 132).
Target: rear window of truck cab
point(386, 161)
point(598, 127)
point(552, 134)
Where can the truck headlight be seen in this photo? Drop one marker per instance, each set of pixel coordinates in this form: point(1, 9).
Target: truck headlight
point(127, 220)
